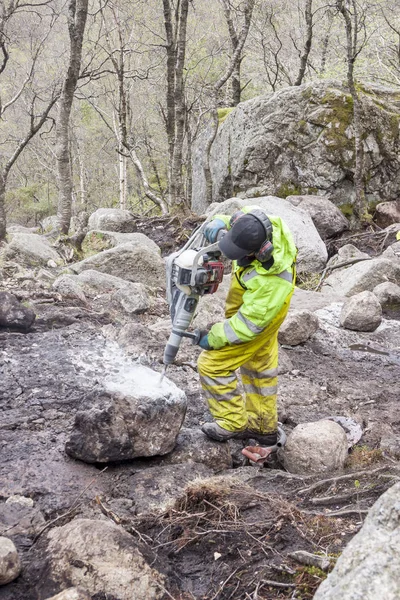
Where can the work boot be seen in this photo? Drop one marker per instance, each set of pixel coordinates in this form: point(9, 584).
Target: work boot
point(264, 439)
point(215, 432)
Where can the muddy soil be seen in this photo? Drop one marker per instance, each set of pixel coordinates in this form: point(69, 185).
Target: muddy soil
point(229, 539)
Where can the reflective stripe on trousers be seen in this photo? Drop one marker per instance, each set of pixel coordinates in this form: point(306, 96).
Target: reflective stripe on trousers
point(258, 364)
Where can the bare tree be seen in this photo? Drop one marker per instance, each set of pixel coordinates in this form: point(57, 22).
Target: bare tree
point(354, 24)
point(248, 7)
point(77, 14)
point(307, 44)
point(175, 25)
point(29, 94)
point(229, 13)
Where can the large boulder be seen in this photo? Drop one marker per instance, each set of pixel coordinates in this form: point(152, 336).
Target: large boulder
point(15, 314)
point(370, 564)
point(319, 447)
point(300, 140)
point(130, 261)
point(312, 254)
point(95, 241)
point(133, 298)
point(30, 250)
point(112, 219)
point(102, 558)
point(327, 218)
point(136, 415)
point(362, 276)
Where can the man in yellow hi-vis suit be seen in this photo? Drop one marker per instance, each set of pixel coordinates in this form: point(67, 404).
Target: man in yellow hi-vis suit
point(263, 279)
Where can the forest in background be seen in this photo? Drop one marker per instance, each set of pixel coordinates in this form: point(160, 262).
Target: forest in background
point(101, 101)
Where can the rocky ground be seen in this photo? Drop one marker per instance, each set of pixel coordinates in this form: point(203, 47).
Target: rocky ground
point(211, 525)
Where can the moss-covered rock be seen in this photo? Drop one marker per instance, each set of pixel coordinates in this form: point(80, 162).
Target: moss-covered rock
point(300, 140)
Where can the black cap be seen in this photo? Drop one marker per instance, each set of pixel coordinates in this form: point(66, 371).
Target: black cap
point(246, 237)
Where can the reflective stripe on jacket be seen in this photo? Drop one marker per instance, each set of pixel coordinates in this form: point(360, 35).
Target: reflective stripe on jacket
point(257, 295)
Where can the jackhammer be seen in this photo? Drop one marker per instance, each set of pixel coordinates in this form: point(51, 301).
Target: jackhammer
point(192, 272)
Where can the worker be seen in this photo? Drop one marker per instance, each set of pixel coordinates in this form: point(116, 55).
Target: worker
point(262, 284)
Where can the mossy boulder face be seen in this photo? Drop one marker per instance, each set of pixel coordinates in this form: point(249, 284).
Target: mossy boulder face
point(300, 141)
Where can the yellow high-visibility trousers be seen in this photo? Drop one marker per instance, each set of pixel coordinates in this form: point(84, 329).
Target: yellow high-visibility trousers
point(258, 364)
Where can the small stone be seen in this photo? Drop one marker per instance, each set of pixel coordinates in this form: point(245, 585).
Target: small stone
point(52, 264)
point(72, 594)
point(361, 312)
point(298, 327)
point(10, 565)
point(21, 500)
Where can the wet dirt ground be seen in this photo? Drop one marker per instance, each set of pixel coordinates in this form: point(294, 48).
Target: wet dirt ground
point(229, 539)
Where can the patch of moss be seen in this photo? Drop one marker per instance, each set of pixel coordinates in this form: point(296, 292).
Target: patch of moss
point(312, 191)
point(223, 113)
point(95, 242)
point(288, 189)
point(347, 209)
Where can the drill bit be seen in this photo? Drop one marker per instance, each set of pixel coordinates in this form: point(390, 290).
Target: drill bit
point(162, 375)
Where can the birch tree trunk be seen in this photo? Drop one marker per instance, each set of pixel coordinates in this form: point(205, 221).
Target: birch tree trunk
point(307, 45)
point(175, 31)
point(77, 14)
point(213, 125)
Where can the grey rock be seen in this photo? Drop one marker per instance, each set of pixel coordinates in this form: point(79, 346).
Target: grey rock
point(68, 287)
point(72, 594)
point(368, 567)
point(127, 261)
point(102, 558)
point(49, 223)
point(298, 327)
point(393, 251)
point(157, 489)
point(14, 314)
point(319, 447)
point(387, 213)
point(361, 312)
point(31, 250)
point(300, 140)
point(10, 564)
point(388, 294)
point(347, 253)
point(192, 446)
point(18, 517)
point(137, 416)
point(22, 229)
point(327, 218)
point(312, 301)
point(134, 300)
point(110, 239)
point(112, 219)
point(362, 276)
point(312, 255)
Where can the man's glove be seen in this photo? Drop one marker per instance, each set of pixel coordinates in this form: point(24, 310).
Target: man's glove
point(212, 230)
point(203, 341)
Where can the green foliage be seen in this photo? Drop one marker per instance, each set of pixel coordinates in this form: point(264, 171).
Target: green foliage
point(288, 189)
point(30, 204)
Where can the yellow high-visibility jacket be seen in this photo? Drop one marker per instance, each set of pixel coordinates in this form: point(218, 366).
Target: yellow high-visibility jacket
point(256, 295)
